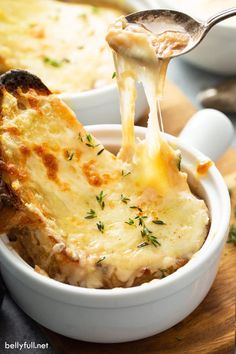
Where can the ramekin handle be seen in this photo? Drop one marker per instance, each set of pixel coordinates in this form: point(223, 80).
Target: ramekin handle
point(209, 131)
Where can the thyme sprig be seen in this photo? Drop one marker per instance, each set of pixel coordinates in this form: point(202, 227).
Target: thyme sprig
point(145, 232)
point(100, 199)
point(124, 199)
point(91, 214)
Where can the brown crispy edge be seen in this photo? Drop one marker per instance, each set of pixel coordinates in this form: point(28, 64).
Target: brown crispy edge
point(12, 81)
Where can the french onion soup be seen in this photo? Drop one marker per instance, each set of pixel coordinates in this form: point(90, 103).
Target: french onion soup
point(75, 211)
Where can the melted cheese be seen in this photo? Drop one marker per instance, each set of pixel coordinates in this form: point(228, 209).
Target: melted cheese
point(61, 43)
point(57, 174)
point(136, 59)
point(93, 219)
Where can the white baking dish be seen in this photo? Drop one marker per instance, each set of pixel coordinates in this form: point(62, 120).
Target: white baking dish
point(119, 315)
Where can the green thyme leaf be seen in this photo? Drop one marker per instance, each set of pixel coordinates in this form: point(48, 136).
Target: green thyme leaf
point(89, 138)
point(70, 155)
point(124, 174)
point(101, 260)
point(100, 199)
point(143, 244)
point(145, 232)
point(100, 152)
point(141, 219)
point(100, 226)
point(130, 222)
point(80, 138)
point(52, 62)
point(232, 235)
point(153, 240)
point(158, 222)
point(91, 214)
point(124, 199)
point(90, 142)
point(135, 207)
point(113, 75)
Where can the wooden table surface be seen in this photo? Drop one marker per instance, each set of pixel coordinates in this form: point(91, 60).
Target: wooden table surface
point(210, 329)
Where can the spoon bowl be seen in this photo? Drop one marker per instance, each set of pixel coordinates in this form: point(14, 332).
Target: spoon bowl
point(160, 21)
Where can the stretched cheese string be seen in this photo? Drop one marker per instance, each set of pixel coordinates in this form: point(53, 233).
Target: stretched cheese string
point(155, 163)
point(152, 77)
point(127, 89)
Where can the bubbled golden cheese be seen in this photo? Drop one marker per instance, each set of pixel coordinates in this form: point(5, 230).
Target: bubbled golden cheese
point(81, 214)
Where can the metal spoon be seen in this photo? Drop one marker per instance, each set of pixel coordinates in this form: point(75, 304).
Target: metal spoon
point(160, 21)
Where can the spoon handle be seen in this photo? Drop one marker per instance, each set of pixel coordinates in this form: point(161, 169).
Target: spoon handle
point(223, 15)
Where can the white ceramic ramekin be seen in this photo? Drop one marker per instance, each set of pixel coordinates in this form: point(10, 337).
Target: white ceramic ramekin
point(101, 105)
point(119, 314)
point(217, 52)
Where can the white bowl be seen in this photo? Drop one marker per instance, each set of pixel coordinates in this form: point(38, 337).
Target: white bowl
point(102, 105)
point(119, 315)
point(217, 52)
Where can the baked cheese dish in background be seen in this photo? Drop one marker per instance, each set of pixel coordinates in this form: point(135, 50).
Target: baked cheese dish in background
point(62, 43)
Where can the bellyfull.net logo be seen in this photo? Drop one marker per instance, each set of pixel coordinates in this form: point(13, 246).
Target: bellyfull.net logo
point(25, 345)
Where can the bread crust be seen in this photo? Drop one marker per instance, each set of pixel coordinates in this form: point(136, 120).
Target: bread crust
point(14, 80)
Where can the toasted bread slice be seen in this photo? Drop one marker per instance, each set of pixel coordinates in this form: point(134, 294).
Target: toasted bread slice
point(72, 209)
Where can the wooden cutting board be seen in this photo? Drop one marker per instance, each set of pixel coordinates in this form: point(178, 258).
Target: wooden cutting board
point(210, 328)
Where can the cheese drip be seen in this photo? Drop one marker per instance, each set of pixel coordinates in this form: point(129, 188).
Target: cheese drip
point(135, 55)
